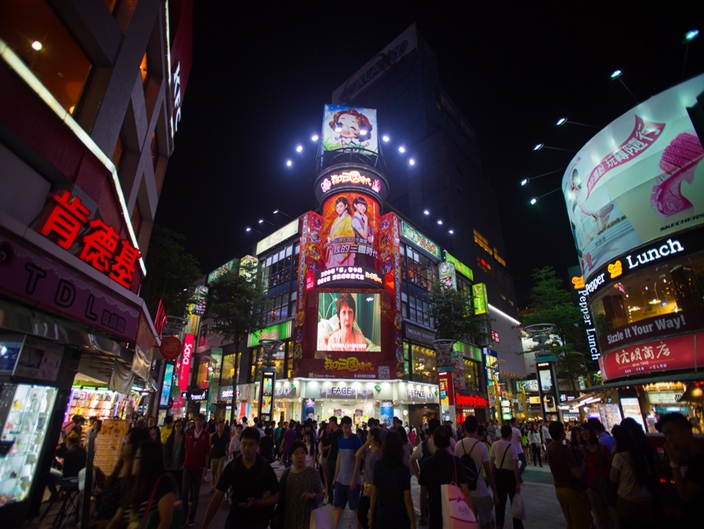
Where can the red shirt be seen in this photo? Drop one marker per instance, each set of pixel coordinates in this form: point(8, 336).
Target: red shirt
point(197, 450)
point(593, 466)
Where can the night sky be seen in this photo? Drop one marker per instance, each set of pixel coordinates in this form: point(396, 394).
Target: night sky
point(261, 76)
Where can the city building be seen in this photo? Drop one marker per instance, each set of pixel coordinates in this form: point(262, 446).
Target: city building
point(635, 201)
point(91, 99)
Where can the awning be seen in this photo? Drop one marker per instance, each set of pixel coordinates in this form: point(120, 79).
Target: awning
point(672, 377)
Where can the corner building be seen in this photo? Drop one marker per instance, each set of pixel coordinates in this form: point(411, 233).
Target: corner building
point(91, 99)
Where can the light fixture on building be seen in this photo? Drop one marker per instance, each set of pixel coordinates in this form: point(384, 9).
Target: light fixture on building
point(386, 138)
point(36, 45)
point(299, 148)
point(315, 137)
point(289, 163)
point(401, 149)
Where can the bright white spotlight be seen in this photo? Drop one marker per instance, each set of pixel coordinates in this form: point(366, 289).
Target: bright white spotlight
point(525, 181)
point(385, 138)
point(261, 221)
point(451, 232)
point(426, 212)
point(248, 229)
point(411, 162)
point(538, 146)
point(691, 35)
point(314, 138)
point(36, 45)
point(533, 201)
point(299, 148)
point(401, 149)
point(289, 163)
point(439, 221)
point(616, 74)
point(561, 121)
point(276, 211)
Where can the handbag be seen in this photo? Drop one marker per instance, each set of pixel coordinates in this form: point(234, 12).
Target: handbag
point(518, 508)
point(151, 519)
point(321, 518)
point(456, 514)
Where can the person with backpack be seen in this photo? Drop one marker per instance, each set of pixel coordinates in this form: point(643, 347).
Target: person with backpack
point(474, 457)
point(508, 478)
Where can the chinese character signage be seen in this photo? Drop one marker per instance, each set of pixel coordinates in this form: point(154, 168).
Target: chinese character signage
point(346, 127)
point(410, 233)
point(200, 300)
point(666, 354)
point(351, 364)
point(224, 269)
point(280, 331)
point(447, 274)
point(65, 221)
point(637, 180)
point(460, 267)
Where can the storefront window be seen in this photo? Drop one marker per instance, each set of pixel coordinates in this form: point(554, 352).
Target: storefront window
point(41, 40)
point(471, 375)
point(230, 368)
point(424, 364)
point(677, 286)
point(258, 364)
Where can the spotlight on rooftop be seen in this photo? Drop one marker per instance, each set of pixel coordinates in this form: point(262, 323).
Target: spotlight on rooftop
point(538, 146)
point(289, 163)
point(386, 138)
point(561, 121)
point(411, 162)
point(402, 149)
point(315, 137)
point(616, 74)
point(299, 148)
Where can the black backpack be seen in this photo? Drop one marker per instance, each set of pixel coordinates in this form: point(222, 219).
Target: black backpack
point(425, 453)
point(470, 467)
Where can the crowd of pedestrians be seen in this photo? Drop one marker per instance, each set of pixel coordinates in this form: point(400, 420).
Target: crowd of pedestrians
point(602, 480)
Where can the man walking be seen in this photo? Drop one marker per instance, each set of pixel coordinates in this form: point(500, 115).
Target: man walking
point(197, 449)
point(289, 438)
point(219, 442)
point(440, 469)
point(516, 442)
point(347, 479)
point(331, 461)
point(482, 502)
point(255, 489)
point(167, 429)
point(427, 448)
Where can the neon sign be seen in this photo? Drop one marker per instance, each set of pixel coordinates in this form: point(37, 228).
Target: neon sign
point(350, 177)
point(348, 273)
point(416, 238)
point(351, 364)
point(186, 357)
point(102, 247)
point(470, 400)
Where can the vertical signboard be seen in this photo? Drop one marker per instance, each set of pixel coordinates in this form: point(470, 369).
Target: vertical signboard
point(186, 360)
point(549, 393)
point(166, 385)
point(481, 304)
point(266, 397)
point(447, 274)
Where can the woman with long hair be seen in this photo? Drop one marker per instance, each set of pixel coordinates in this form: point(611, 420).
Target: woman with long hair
point(175, 453)
point(534, 439)
point(300, 491)
point(369, 453)
point(391, 501)
point(406, 445)
point(341, 228)
point(119, 481)
point(310, 449)
point(598, 460)
point(634, 505)
point(153, 491)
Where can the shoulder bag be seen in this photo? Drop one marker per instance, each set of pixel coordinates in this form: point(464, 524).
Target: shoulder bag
point(151, 519)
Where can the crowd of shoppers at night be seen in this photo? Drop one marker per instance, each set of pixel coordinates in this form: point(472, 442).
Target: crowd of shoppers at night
point(602, 480)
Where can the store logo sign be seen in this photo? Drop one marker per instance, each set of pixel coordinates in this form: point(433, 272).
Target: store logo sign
point(419, 394)
point(648, 256)
point(470, 400)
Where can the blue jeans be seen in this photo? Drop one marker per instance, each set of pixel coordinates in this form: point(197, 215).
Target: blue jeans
point(524, 462)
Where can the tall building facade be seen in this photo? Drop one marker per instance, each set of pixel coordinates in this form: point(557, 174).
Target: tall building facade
point(91, 98)
point(446, 182)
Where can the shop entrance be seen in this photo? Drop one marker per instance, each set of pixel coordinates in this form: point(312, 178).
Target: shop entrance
point(419, 414)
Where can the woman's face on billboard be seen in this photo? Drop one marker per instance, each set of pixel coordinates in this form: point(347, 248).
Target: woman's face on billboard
point(350, 126)
point(362, 208)
point(346, 317)
point(340, 208)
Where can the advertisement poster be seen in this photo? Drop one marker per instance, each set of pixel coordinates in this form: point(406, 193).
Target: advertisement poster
point(267, 396)
point(386, 410)
point(349, 322)
point(350, 232)
point(166, 386)
point(639, 179)
point(346, 127)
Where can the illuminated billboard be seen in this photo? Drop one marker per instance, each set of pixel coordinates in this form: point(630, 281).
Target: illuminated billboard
point(639, 179)
point(277, 237)
point(349, 322)
point(350, 231)
point(347, 127)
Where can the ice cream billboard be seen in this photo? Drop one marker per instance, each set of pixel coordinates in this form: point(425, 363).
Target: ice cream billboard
point(346, 127)
point(349, 322)
point(639, 179)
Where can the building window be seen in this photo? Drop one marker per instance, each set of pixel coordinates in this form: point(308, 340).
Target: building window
point(471, 375)
point(419, 269)
point(258, 362)
point(230, 369)
point(40, 39)
point(424, 364)
point(483, 242)
point(498, 258)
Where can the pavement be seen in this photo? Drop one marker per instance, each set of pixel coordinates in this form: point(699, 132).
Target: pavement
point(542, 508)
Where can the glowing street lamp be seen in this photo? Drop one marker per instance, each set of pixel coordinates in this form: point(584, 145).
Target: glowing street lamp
point(289, 163)
point(299, 148)
point(386, 138)
point(541, 146)
point(426, 212)
point(401, 149)
point(525, 181)
point(440, 221)
point(277, 211)
point(314, 137)
point(563, 121)
point(616, 74)
point(411, 162)
point(36, 45)
point(691, 35)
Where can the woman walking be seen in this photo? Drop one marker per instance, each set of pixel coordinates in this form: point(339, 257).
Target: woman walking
point(391, 501)
point(598, 459)
point(369, 453)
point(174, 453)
point(534, 438)
point(630, 470)
point(300, 491)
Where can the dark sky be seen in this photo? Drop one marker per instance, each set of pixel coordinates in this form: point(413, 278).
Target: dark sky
point(261, 76)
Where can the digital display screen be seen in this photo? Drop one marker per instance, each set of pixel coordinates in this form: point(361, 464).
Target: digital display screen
point(267, 393)
point(166, 386)
point(349, 322)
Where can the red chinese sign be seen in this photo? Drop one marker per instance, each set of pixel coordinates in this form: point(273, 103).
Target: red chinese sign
point(667, 354)
point(101, 246)
point(474, 401)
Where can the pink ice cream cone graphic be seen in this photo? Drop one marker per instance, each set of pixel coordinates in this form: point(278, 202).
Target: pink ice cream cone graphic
point(678, 163)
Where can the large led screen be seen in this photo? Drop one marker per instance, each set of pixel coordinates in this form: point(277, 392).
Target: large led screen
point(346, 127)
point(639, 179)
point(349, 322)
point(350, 234)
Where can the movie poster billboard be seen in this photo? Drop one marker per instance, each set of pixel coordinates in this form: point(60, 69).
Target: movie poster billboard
point(349, 322)
point(347, 127)
point(639, 179)
point(350, 231)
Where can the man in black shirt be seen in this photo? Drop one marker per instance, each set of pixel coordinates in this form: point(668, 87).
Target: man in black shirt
point(331, 461)
point(219, 441)
point(440, 469)
point(255, 489)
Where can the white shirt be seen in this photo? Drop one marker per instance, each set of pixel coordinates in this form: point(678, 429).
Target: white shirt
point(516, 439)
point(234, 444)
point(628, 487)
point(546, 433)
point(534, 437)
point(479, 454)
point(498, 449)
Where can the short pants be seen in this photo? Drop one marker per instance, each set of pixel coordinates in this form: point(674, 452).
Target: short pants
point(344, 494)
